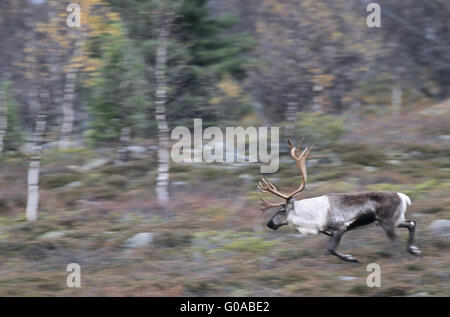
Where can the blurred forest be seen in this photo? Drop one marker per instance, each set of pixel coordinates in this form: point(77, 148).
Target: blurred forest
point(85, 121)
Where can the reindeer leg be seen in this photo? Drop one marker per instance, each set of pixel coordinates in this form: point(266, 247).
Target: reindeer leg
point(334, 243)
point(389, 228)
point(411, 226)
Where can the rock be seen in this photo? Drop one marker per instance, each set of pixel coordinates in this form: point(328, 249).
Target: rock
point(371, 169)
point(180, 183)
point(136, 149)
point(152, 148)
point(93, 164)
point(416, 153)
point(73, 185)
point(27, 148)
point(347, 278)
point(444, 137)
point(140, 240)
point(394, 162)
point(441, 228)
point(50, 145)
point(421, 294)
point(441, 109)
point(315, 184)
point(52, 235)
point(246, 177)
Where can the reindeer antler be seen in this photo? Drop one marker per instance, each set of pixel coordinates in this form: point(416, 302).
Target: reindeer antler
point(266, 205)
point(300, 160)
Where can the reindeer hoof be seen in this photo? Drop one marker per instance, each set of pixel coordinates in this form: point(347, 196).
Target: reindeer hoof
point(349, 258)
point(414, 250)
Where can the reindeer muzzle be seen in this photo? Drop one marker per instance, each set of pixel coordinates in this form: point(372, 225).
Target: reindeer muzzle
point(271, 225)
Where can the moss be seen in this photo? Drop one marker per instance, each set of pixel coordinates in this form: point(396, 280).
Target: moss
point(250, 244)
point(319, 128)
point(427, 185)
point(359, 290)
point(173, 240)
point(69, 196)
point(210, 173)
point(71, 155)
point(179, 168)
point(59, 180)
point(328, 175)
point(116, 181)
point(394, 291)
point(363, 155)
point(385, 187)
point(414, 267)
point(131, 169)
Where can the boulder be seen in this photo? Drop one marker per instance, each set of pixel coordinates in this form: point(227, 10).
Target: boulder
point(139, 240)
point(93, 164)
point(136, 149)
point(52, 235)
point(441, 228)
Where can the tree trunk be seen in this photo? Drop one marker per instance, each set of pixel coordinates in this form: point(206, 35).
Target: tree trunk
point(69, 94)
point(291, 118)
point(396, 100)
point(34, 169)
point(162, 181)
point(3, 119)
point(122, 152)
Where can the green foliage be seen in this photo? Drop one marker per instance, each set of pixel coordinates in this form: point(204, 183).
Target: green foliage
point(250, 244)
point(13, 137)
point(321, 129)
point(117, 97)
point(363, 155)
point(173, 240)
point(59, 180)
point(201, 50)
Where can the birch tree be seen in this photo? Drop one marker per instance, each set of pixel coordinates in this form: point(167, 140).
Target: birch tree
point(69, 92)
point(162, 180)
point(38, 57)
point(34, 169)
point(3, 119)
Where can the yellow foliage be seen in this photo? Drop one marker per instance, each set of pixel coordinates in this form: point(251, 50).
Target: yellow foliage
point(326, 80)
point(215, 100)
point(229, 87)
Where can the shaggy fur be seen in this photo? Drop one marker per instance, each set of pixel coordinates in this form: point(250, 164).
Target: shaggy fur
point(335, 214)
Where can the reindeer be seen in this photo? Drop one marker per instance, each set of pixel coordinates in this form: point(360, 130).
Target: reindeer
point(335, 214)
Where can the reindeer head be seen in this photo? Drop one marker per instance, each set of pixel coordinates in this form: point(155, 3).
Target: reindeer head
point(280, 217)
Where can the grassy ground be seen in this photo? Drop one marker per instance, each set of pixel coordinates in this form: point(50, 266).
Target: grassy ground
point(214, 241)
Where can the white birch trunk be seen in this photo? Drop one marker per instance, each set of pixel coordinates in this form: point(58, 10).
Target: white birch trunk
point(69, 95)
point(318, 98)
point(38, 134)
point(291, 117)
point(34, 169)
point(396, 99)
point(3, 119)
point(162, 181)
